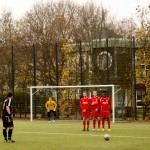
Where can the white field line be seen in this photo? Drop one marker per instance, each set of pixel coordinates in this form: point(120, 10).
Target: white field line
point(116, 136)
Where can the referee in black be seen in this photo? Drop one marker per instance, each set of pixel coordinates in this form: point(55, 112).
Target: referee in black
point(7, 119)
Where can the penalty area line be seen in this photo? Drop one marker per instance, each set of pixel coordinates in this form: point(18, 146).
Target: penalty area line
point(76, 134)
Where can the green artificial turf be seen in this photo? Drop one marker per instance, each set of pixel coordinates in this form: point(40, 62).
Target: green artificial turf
point(68, 135)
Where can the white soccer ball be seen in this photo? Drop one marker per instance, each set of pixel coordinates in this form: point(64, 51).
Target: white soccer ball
point(107, 137)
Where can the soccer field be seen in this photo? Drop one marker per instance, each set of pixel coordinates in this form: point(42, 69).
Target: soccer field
point(68, 135)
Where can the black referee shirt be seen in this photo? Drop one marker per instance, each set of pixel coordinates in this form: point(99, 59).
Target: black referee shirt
point(7, 102)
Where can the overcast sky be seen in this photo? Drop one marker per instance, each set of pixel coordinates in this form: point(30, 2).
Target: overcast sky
point(119, 8)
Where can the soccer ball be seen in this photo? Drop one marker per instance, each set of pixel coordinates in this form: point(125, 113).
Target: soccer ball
point(106, 137)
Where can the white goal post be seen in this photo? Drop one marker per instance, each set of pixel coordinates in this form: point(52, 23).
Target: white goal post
point(37, 88)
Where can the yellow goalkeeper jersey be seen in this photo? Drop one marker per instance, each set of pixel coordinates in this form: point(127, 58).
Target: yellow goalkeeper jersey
point(50, 105)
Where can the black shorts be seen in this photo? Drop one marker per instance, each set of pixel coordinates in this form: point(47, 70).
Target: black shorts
point(7, 121)
point(52, 112)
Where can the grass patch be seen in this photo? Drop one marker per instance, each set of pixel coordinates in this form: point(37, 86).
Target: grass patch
point(62, 135)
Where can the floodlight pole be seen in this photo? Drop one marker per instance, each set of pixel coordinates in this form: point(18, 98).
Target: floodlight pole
point(133, 79)
point(34, 77)
point(80, 52)
point(80, 61)
point(57, 75)
point(12, 71)
point(107, 73)
point(56, 57)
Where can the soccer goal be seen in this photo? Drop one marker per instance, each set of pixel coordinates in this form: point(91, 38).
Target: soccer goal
point(67, 98)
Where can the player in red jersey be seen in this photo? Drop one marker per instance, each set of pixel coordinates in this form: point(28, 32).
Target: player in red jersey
point(105, 110)
point(95, 103)
point(85, 107)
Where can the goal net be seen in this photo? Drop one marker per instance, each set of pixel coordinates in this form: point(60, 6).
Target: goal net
point(67, 99)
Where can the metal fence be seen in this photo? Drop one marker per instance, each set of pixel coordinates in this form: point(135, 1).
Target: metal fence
point(105, 61)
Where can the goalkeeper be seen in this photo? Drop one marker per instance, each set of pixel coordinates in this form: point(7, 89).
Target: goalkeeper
point(51, 109)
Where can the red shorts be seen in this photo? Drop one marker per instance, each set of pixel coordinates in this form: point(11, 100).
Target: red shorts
point(96, 114)
point(105, 114)
point(86, 114)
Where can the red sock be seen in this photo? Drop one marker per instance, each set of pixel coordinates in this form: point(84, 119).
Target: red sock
point(88, 123)
point(103, 122)
point(108, 121)
point(84, 124)
point(99, 124)
point(94, 123)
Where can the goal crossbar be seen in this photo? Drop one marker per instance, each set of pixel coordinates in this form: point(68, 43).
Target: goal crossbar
point(72, 86)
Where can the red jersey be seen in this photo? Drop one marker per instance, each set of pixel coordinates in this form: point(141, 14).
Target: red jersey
point(85, 103)
point(95, 103)
point(105, 104)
